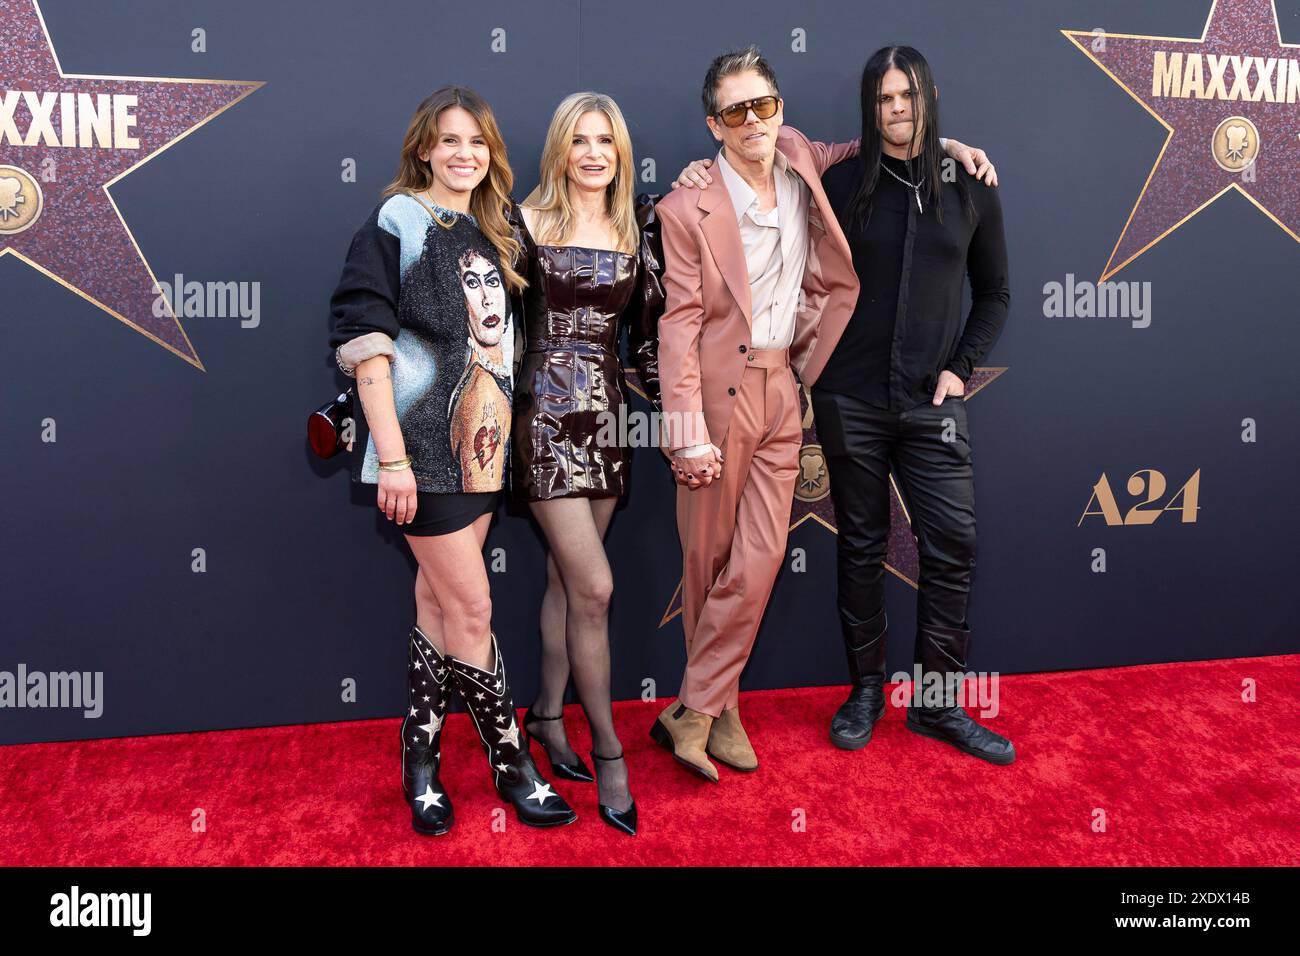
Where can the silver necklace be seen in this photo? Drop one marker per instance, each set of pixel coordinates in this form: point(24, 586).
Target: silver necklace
point(915, 187)
point(438, 211)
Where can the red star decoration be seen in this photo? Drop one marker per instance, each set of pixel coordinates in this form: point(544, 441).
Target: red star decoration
point(79, 238)
point(1186, 178)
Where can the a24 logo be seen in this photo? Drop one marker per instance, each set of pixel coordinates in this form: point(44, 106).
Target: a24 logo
point(1149, 485)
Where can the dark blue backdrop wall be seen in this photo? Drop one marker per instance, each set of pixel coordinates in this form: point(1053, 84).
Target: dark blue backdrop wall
point(304, 587)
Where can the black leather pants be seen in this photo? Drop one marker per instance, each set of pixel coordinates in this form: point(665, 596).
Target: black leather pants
point(862, 444)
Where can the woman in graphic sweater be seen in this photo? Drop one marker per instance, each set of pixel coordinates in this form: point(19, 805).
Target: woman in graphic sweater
point(422, 319)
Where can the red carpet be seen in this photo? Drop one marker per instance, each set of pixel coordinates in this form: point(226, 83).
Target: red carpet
point(1186, 772)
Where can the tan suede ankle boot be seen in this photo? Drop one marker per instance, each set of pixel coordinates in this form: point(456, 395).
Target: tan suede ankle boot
point(729, 744)
point(685, 733)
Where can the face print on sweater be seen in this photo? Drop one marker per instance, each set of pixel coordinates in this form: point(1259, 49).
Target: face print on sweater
point(451, 374)
point(485, 299)
point(479, 414)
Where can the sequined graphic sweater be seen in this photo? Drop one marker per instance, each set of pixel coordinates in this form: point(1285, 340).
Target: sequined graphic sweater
point(430, 295)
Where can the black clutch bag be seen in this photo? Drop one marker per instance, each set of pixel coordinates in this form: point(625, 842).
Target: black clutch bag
point(332, 427)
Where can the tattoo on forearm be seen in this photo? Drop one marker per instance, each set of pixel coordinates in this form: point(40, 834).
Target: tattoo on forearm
point(371, 380)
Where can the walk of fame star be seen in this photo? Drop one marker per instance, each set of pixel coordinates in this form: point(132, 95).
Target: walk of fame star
point(61, 150)
point(1227, 101)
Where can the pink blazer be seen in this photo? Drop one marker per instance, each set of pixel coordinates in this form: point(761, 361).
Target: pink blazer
point(706, 317)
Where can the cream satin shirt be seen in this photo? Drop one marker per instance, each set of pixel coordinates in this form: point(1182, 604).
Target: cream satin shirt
point(776, 251)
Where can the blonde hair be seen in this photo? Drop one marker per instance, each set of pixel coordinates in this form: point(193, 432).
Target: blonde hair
point(555, 217)
point(491, 198)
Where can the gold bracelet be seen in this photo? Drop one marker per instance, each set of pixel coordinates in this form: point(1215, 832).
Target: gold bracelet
point(400, 465)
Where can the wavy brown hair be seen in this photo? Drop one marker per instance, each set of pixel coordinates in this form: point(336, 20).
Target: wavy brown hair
point(490, 201)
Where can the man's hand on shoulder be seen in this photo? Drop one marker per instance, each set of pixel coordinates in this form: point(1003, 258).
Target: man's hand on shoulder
point(695, 174)
point(974, 160)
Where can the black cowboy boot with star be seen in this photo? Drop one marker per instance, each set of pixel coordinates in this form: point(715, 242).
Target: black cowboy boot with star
point(428, 694)
point(517, 780)
point(941, 652)
point(864, 642)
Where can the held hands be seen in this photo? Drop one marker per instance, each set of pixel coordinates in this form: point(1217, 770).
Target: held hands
point(975, 160)
point(698, 471)
point(695, 174)
point(948, 384)
point(397, 495)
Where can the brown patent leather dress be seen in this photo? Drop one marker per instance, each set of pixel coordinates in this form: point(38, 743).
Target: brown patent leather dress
point(571, 382)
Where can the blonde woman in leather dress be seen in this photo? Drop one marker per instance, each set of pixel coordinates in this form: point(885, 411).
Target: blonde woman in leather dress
point(592, 265)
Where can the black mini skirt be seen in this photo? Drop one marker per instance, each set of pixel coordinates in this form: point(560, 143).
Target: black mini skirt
point(438, 513)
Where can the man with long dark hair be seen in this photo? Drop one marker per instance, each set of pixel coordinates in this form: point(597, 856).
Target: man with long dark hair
point(891, 394)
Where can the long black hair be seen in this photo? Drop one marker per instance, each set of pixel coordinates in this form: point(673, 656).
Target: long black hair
point(925, 163)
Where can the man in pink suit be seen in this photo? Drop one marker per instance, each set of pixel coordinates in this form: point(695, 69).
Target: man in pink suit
point(760, 283)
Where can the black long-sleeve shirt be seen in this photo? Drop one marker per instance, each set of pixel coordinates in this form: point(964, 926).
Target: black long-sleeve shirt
point(905, 329)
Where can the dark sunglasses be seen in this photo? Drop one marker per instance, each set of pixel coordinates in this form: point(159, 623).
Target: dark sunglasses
point(734, 115)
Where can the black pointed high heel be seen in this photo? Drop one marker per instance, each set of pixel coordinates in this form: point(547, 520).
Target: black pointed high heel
point(624, 820)
point(578, 771)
